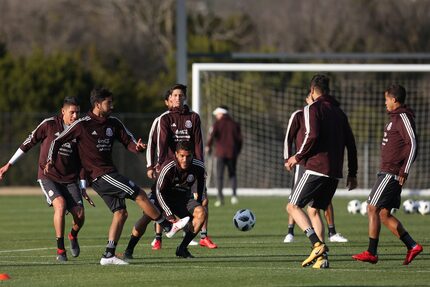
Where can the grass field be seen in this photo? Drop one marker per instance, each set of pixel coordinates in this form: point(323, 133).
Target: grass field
point(254, 258)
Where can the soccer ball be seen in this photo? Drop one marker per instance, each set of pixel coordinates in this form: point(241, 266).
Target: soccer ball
point(363, 208)
point(244, 219)
point(424, 207)
point(410, 206)
point(354, 206)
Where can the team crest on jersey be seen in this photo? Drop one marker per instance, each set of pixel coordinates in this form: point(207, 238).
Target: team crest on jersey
point(188, 124)
point(389, 126)
point(190, 178)
point(109, 132)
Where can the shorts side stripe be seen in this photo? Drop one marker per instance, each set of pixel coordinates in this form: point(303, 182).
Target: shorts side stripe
point(380, 189)
point(44, 191)
point(299, 188)
point(118, 184)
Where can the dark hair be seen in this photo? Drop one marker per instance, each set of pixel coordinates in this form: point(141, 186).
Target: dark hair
point(166, 95)
point(397, 92)
point(71, 101)
point(99, 95)
point(181, 87)
point(184, 145)
point(321, 83)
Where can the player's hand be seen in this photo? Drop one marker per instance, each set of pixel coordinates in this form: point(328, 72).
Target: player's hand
point(351, 183)
point(291, 163)
point(47, 167)
point(151, 173)
point(140, 146)
point(87, 198)
point(4, 169)
point(402, 180)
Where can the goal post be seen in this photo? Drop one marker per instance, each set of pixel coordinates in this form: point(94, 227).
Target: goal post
point(262, 97)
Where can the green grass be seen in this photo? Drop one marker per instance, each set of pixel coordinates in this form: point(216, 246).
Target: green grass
point(254, 258)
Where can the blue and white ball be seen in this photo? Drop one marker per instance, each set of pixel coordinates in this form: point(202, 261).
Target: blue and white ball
point(244, 220)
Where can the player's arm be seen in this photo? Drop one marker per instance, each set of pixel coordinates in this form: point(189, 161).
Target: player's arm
point(163, 186)
point(162, 141)
point(351, 148)
point(83, 186)
point(32, 140)
point(151, 150)
point(198, 138)
point(239, 138)
point(407, 132)
point(290, 136)
point(211, 138)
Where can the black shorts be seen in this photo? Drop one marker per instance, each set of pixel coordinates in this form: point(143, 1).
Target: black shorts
point(316, 190)
point(69, 191)
point(298, 173)
point(385, 192)
point(114, 188)
point(179, 206)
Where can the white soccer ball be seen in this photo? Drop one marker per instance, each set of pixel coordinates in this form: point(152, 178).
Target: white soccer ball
point(244, 220)
point(410, 206)
point(354, 206)
point(424, 207)
point(363, 208)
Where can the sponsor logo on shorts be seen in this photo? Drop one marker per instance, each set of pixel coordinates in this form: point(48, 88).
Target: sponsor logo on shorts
point(50, 192)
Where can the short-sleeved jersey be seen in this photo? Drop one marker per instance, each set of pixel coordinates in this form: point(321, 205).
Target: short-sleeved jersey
point(67, 165)
point(180, 124)
point(227, 136)
point(175, 184)
point(95, 137)
point(399, 144)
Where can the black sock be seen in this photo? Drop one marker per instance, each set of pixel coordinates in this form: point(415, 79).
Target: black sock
point(310, 233)
point(331, 230)
point(60, 243)
point(291, 229)
point(189, 236)
point(373, 245)
point(74, 233)
point(164, 223)
point(132, 243)
point(407, 240)
point(158, 236)
point(110, 249)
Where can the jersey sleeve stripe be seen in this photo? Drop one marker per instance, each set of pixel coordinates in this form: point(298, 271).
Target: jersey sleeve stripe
point(286, 145)
point(411, 134)
point(34, 131)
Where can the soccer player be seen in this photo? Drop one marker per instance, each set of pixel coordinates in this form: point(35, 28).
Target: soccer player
point(327, 134)
point(180, 178)
point(61, 185)
point(226, 135)
point(294, 136)
point(95, 135)
point(181, 124)
point(398, 152)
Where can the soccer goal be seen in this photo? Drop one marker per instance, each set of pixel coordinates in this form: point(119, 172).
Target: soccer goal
point(263, 96)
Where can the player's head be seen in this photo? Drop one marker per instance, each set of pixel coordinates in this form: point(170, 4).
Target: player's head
point(184, 154)
point(395, 96)
point(167, 100)
point(70, 110)
point(320, 85)
point(178, 95)
point(220, 111)
point(102, 101)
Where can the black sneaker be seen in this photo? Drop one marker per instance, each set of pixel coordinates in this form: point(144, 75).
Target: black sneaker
point(127, 255)
point(74, 246)
point(61, 255)
point(183, 252)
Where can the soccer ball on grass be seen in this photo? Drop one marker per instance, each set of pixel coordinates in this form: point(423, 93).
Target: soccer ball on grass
point(244, 219)
point(354, 206)
point(410, 206)
point(424, 207)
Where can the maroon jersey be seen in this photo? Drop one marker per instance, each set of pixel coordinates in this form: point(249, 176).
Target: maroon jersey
point(175, 184)
point(327, 134)
point(95, 137)
point(67, 165)
point(295, 133)
point(152, 149)
point(399, 145)
point(227, 137)
point(180, 124)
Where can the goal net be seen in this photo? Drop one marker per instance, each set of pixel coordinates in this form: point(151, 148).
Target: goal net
point(261, 97)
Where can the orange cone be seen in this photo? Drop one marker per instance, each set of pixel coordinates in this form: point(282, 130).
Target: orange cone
point(4, 276)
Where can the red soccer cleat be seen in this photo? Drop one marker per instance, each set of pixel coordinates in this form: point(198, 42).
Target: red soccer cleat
point(208, 243)
point(412, 253)
point(157, 245)
point(366, 256)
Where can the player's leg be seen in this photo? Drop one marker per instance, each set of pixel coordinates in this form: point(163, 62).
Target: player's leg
point(137, 232)
point(231, 167)
point(205, 239)
point(298, 173)
point(316, 221)
point(220, 181)
point(199, 216)
point(332, 234)
point(290, 235)
point(55, 199)
point(73, 197)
